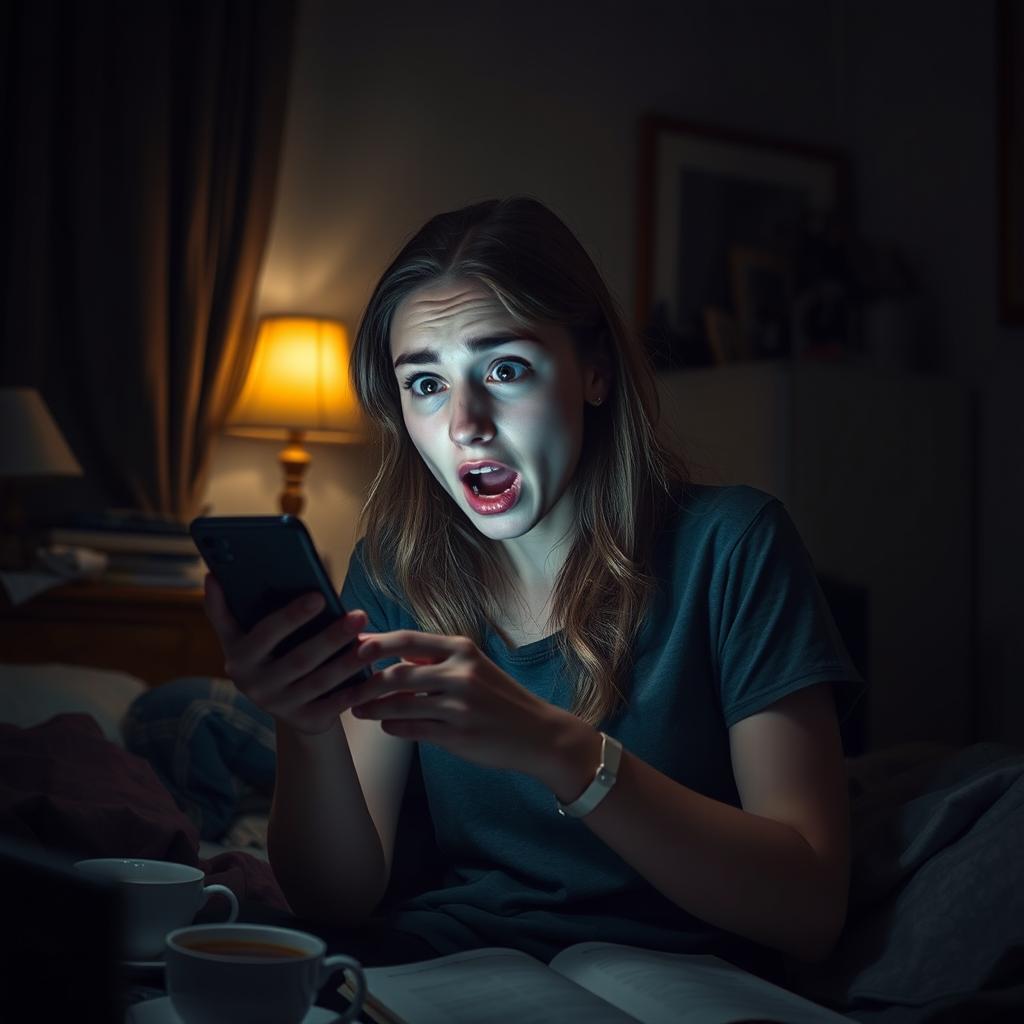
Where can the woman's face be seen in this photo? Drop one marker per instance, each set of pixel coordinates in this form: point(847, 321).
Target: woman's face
point(477, 387)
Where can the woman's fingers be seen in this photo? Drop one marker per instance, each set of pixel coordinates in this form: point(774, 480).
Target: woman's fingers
point(292, 687)
point(279, 625)
point(440, 707)
point(224, 625)
point(328, 679)
point(317, 650)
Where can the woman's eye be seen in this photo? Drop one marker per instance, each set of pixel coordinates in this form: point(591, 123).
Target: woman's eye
point(410, 381)
point(501, 372)
point(514, 377)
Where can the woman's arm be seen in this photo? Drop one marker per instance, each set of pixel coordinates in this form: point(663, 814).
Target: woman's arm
point(333, 819)
point(777, 871)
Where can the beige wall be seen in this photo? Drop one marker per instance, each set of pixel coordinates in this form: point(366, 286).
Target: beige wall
point(401, 110)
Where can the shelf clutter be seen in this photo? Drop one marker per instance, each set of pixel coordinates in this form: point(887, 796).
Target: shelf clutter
point(123, 547)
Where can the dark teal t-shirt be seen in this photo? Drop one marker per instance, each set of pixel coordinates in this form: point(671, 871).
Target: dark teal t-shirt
point(738, 622)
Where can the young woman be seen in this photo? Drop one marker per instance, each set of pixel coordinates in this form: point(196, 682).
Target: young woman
point(541, 591)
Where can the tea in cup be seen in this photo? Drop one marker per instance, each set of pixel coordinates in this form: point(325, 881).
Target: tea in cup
point(157, 897)
point(251, 974)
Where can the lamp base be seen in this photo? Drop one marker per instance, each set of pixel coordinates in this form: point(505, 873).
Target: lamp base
point(17, 540)
point(294, 461)
point(18, 551)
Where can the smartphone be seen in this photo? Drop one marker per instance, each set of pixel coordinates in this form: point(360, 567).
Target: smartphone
point(264, 563)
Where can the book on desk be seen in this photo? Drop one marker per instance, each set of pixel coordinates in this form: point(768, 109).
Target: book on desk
point(599, 982)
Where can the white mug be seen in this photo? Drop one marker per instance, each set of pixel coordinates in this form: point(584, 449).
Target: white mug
point(157, 897)
point(251, 974)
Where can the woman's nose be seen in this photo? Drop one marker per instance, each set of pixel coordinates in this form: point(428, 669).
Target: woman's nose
point(471, 420)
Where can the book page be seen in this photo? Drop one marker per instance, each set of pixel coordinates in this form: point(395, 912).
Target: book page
point(678, 988)
point(485, 986)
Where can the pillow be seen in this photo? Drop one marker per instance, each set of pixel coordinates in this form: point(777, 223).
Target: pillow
point(32, 694)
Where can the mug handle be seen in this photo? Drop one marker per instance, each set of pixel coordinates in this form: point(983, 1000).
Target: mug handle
point(332, 965)
point(209, 890)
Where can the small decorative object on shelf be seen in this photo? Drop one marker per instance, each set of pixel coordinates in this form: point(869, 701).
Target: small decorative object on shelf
point(720, 217)
point(762, 291)
point(727, 342)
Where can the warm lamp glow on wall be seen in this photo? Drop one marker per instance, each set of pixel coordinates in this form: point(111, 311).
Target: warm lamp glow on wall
point(298, 390)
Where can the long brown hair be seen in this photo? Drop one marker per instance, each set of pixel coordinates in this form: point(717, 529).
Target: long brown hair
point(422, 554)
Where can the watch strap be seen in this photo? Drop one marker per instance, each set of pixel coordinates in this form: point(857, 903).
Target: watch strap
point(604, 779)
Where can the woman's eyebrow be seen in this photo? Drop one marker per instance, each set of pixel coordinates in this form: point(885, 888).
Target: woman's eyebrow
point(431, 355)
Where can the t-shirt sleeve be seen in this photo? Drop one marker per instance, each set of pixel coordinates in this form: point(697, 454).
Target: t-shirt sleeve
point(777, 634)
point(358, 592)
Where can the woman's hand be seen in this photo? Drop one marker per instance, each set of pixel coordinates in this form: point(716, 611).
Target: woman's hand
point(445, 691)
point(297, 687)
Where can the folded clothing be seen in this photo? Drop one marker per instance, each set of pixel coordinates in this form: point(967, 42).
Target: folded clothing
point(210, 745)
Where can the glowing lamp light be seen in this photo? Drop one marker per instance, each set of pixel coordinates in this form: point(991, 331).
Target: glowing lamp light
point(297, 389)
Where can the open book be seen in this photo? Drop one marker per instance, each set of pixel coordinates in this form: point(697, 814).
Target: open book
point(596, 982)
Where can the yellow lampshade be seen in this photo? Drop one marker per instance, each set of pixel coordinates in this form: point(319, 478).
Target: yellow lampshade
point(298, 381)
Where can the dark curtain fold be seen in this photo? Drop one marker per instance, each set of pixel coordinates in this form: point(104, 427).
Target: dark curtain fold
point(140, 146)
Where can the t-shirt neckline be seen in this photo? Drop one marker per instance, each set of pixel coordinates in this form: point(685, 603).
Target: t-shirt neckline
point(536, 650)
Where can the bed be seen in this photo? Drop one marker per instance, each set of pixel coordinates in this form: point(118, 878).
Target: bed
point(935, 930)
point(69, 781)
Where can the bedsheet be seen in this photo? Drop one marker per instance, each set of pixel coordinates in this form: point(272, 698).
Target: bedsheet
point(67, 787)
point(935, 931)
point(935, 928)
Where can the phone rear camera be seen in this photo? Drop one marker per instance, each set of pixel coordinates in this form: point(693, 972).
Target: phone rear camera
point(217, 549)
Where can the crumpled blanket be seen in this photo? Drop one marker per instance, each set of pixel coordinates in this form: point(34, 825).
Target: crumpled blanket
point(936, 909)
point(211, 747)
point(65, 786)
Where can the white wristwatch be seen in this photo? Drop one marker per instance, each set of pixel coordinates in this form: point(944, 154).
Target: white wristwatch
point(604, 779)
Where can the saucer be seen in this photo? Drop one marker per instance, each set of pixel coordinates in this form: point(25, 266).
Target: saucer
point(160, 1011)
point(144, 965)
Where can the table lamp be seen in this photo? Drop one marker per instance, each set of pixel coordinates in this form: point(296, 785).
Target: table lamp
point(298, 389)
point(33, 449)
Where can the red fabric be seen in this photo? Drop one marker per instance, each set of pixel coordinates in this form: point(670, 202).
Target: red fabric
point(65, 786)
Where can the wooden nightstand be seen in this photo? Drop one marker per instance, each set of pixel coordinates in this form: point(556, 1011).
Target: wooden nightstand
point(155, 633)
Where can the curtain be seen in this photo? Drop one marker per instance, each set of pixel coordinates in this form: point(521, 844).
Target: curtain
point(140, 148)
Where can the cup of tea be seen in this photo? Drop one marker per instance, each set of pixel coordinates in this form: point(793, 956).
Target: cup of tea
point(251, 974)
point(157, 896)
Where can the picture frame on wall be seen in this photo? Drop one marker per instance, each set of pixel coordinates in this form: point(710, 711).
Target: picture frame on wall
point(722, 221)
point(1010, 85)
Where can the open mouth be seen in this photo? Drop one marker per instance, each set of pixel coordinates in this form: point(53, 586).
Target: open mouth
point(490, 486)
point(489, 481)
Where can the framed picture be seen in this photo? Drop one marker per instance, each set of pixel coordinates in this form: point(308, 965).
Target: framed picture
point(1010, 45)
point(722, 219)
